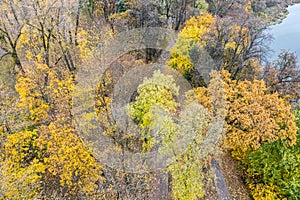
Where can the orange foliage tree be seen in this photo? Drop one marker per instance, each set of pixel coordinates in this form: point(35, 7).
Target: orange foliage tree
point(254, 116)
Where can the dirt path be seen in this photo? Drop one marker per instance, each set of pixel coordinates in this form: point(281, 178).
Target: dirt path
point(220, 183)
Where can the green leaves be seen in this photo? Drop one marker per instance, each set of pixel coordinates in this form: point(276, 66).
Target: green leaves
point(154, 110)
point(158, 90)
point(276, 164)
point(296, 113)
point(187, 176)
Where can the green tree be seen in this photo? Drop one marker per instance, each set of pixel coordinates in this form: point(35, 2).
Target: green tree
point(153, 110)
point(273, 171)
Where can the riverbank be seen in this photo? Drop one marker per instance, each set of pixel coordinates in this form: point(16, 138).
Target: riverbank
point(277, 13)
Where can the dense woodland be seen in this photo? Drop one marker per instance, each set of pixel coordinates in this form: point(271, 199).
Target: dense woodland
point(45, 43)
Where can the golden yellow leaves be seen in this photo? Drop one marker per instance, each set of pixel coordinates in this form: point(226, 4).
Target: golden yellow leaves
point(227, 41)
point(197, 27)
point(43, 154)
point(20, 168)
point(254, 116)
point(42, 90)
point(248, 7)
point(31, 99)
point(263, 191)
point(47, 153)
point(70, 159)
point(86, 43)
point(51, 153)
point(193, 33)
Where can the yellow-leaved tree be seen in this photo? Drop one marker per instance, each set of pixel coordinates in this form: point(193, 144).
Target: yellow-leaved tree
point(232, 43)
point(47, 157)
point(193, 33)
point(254, 116)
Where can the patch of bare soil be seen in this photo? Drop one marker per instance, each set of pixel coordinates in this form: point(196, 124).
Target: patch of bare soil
point(209, 185)
point(233, 177)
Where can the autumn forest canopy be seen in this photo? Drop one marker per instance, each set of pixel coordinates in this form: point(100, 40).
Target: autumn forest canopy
point(211, 94)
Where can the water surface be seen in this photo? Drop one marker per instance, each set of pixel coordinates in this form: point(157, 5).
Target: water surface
point(287, 34)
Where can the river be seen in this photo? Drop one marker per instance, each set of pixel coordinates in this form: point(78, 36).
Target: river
point(287, 34)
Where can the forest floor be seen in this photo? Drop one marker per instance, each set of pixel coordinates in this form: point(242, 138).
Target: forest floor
point(233, 178)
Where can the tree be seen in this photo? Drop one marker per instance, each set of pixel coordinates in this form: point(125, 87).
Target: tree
point(47, 157)
point(20, 172)
point(201, 5)
point(234, 43)
point(51, 33)
point(273, 170)
point(269, 9)
point(282, 76)
point(296, 112)
point(254, 116)
point(190, 44)
point(39, 165)
point(220, 8)
point(11, 28)
point(156, 95)
point(151, 93)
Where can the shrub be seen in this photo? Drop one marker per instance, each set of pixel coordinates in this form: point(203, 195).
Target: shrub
point(274, 171)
